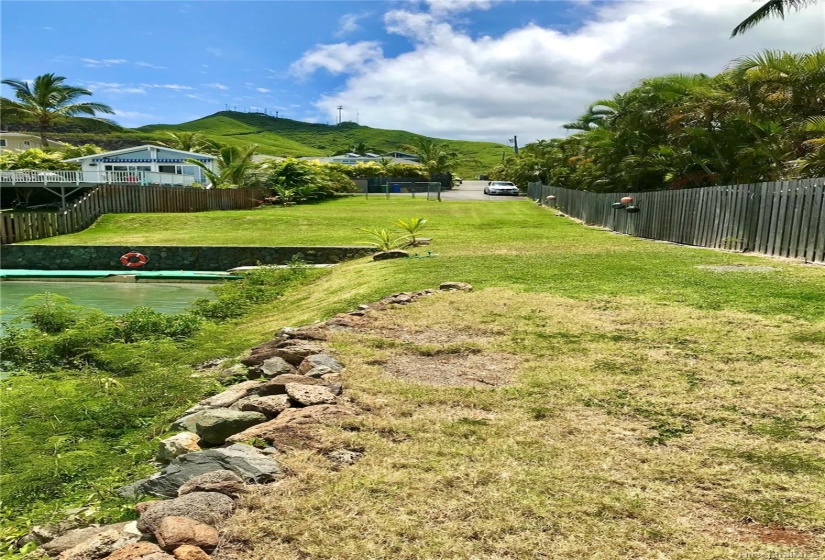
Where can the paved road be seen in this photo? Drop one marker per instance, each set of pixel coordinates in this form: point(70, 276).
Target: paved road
point(474, 190)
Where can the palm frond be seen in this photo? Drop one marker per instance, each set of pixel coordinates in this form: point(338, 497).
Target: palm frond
point(771, 8)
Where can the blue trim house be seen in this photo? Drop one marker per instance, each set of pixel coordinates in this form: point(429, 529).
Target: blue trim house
point(149, 165)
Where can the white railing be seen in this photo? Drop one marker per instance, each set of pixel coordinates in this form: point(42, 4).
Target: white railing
point(96, 177)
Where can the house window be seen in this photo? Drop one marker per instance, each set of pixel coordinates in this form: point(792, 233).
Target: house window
point(26, 143)
point(2, 143)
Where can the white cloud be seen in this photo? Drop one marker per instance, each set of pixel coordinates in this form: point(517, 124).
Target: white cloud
point(348, 23)
point(148, 65)
point(338, 58)
point(216, 85)
point(262, 90)
point(112, 87)
point(215, 52)
point(176, 87)
point(531, 80)
point(447, 7)
point(95, 63)
point(200, 97)
point(131, 119)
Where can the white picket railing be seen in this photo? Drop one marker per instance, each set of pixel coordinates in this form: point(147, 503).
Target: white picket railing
point(96, 177)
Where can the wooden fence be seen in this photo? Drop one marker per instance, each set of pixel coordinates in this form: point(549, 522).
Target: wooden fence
point(113, 199)
point(781, 219)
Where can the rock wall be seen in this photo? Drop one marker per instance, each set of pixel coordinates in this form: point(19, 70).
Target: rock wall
point(203, 258)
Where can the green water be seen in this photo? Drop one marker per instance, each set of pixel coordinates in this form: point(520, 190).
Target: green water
point(111, 298)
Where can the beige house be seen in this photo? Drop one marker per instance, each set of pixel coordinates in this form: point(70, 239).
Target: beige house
point(18, 141)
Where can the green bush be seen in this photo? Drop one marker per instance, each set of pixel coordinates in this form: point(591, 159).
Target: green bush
point(51, 313)
point(262, 285)
point(144, 322)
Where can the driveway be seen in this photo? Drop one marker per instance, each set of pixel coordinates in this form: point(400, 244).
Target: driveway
point(474, 190)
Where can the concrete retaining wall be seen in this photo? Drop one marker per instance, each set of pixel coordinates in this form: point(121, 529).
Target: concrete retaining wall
point(86, 257)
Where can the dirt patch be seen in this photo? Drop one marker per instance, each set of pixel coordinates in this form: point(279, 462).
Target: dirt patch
point(455, 370)
point(425, 335)
point(779, 535)
point(737, 268)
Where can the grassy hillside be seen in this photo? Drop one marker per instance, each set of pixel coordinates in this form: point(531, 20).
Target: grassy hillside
point(285, 137)
point(279, 137)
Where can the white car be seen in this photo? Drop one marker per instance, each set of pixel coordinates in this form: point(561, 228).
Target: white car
point(501, 187)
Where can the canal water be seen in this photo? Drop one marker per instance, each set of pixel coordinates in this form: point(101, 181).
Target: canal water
point(111, 298)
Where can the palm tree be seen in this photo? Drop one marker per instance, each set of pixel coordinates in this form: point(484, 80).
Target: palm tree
point(48, 100)
point(771, 8)
point(436, 157)
point(236, 168)
point(191, 142)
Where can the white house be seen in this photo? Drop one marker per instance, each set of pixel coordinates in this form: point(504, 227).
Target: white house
point(146, 165)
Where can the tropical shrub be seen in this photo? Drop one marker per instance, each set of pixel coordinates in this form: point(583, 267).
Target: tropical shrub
point(384, 239)
point(759, 120)
point(413, 227)
point(293, 180)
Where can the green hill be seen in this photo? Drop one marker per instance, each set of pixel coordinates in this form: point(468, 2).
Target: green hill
point(286, 137)
point(276, 137)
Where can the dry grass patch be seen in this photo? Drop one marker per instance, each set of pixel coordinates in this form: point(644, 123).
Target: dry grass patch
point(459, 370)
point(631, 430)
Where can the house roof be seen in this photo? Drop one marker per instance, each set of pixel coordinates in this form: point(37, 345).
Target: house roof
point(106, 155)
point(4, 134)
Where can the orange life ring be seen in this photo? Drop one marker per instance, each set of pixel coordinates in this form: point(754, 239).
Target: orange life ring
point(139, 260)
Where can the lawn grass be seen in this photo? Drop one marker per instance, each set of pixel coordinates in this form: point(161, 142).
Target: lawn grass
point(656, 409)
point(503, 244)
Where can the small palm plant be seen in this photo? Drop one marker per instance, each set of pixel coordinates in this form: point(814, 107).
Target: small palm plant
point(383, 239)
point(413, 227)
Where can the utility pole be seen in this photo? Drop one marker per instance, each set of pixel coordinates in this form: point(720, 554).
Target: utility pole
point(514, 142)
point(340, 108)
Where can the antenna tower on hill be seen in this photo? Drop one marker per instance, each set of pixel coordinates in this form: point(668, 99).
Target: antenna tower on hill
point(340, 109)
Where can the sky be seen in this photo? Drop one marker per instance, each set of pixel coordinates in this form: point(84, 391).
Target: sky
point(460, 69)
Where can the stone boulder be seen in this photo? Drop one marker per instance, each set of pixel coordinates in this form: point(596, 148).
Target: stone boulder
point(310, 332)
point(177, 445)
point(143, 550)
point(214, 425)
point(309, 395)
point(277, 385)
point(174, 531)
point(270, 405)
point(233, 394)
point(189, 552)
point(402, 298)
point(394, 254)
point(101, 544)
point(292, 427)
point(324, 360)
point(276, 366)
point(291, 350)
point(248, 463)
point(222, 481)
point(76, 537)
point(453, 286)
point(318, 372)
point(210, 508)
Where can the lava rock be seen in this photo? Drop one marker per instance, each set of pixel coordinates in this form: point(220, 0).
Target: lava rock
point(316, 360)
point(210, 508)
point(248, 463)
point(223, 481)
point(214, 425)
